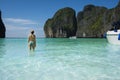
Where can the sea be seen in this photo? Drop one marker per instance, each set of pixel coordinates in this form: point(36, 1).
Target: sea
point(59, 59)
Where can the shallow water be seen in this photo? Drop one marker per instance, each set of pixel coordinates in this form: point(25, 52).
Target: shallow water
point(59, 59)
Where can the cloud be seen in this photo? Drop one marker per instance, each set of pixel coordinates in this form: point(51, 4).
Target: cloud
point(22, 27)
point(20, 21)
point(16, 31)
point(12, 27)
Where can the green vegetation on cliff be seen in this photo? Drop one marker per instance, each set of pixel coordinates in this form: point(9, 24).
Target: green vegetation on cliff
point(63, 24)
point(93, 21)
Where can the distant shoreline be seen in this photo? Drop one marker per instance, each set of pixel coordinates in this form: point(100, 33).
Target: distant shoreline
point(20, 37)
point(51, 38)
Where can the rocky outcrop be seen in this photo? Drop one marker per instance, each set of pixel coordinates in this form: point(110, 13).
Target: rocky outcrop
point(63, 24)
point(2, 28)
point(93, 21)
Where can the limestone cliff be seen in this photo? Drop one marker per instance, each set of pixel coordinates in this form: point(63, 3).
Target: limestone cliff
point(93, 21)
point(2, 28)
point(63, 24)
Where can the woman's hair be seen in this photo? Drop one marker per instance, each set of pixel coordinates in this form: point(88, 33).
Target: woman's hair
point(32, 32)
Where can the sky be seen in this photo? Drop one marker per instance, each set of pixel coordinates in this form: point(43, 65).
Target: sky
point(22, 16)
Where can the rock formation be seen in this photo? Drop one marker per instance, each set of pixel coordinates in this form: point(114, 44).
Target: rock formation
point(93, 21)
point(2, 28)
point(63, 24)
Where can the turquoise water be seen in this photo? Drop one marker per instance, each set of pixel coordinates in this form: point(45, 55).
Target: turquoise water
point(59, 59)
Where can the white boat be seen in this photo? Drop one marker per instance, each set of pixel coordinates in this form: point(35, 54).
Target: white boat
point(113, 37)
point(72, 37)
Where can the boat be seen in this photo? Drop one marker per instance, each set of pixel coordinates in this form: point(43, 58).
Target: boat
point(113, 37)
point(72, 37)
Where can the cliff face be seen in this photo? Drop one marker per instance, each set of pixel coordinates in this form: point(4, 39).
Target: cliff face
point(93, 21)
point(2, 28)
point(63, 24)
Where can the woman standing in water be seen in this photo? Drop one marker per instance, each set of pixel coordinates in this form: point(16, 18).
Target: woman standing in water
point(32, 41)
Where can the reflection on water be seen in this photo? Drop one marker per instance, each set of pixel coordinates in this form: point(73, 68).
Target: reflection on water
point(2, 47)
point(31, 53)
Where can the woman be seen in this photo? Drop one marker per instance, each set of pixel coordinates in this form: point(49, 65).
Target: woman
point(32, 41)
